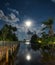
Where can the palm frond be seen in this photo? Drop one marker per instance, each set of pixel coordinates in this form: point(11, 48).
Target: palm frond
point(48, 22)
point(44, 28)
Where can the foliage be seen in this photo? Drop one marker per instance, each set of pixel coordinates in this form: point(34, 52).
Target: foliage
point(7, 33)
point(49, 25)
point(34, 42)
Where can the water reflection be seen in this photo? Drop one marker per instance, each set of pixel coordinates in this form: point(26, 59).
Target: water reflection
point(27, 56)
point(38, 57)
point(27, 43)
point(26, 53)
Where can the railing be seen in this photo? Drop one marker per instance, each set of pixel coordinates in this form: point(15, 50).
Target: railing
point(8, 43)
point(6, 47)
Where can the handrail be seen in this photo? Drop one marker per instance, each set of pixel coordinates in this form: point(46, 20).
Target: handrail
point(8, 43)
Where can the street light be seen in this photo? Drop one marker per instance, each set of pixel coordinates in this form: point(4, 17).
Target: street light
point(39, 41)
point(54, 42)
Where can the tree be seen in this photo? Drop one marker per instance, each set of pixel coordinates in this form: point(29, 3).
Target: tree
point(49, 26)
point(44, 35)
point(29, 33)
point(34, 42)
point(8, 33)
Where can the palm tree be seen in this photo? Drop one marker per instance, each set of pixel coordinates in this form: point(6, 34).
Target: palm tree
point(44, 35)
point(49, 26)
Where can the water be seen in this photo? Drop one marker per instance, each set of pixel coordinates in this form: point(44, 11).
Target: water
point(33, 58)
point(26, 56)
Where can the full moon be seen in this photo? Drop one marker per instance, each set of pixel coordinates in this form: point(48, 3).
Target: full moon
point(28, 23)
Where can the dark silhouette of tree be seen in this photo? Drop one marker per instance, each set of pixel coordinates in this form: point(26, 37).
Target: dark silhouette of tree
point(29, 33)
point(44, 35)
point(34, 42)
point(49, 26)
point(7, 33)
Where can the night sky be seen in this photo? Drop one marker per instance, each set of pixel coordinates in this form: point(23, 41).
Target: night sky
point(21, 10)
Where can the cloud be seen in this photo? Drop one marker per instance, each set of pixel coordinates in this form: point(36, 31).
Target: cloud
point(53, 1)
point(9, 18)
point(13, 10)
point(43, 26)
point(22, 28)
point(1, 14)
point(12, 19)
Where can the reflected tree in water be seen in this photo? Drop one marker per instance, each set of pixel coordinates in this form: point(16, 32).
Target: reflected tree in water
point(34, 42)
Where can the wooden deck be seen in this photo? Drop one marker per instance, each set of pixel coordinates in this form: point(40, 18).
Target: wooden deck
point(7, 48)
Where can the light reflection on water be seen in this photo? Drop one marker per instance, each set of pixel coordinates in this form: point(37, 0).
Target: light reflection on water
point(27, 43)
point(23, 51)
point(37, 57)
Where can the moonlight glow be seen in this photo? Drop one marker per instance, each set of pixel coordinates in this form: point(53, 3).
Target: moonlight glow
point(28, 23)
point(27, 43)
point(28, 57)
